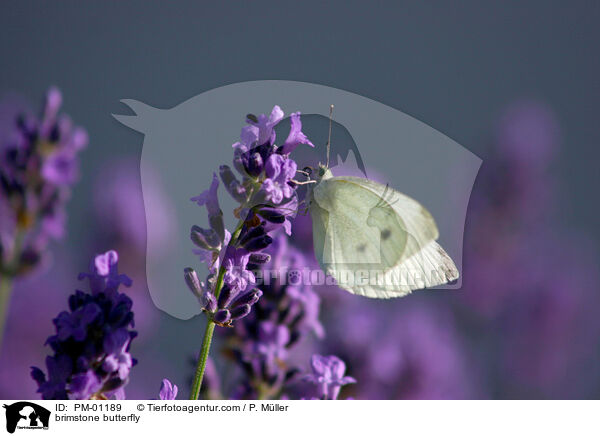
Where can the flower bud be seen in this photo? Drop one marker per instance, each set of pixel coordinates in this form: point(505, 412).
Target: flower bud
point(193, 282)
point(225, 297)
point(204, 238)
point(240, 312)
point(253, 164)
point(223, 316)
point(272, 215)
point(259, 258)
point(216, 223)
point(259, 243)
point(255, 232)
point(238, 162)
point(209, 302)
point(248, 298)
point(232, 185)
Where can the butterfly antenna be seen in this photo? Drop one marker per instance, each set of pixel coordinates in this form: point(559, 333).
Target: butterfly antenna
point(391, 197)
point(329, 138)
point(382, 197)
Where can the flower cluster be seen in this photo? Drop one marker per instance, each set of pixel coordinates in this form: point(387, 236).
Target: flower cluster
point(38, 165)
point(267, 200)
point(286, 313)
point(91, 346)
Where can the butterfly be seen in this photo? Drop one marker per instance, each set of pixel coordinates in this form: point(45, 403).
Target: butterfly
point(374, 240)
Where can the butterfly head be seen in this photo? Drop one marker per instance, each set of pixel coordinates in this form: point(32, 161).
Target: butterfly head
point(323, 173)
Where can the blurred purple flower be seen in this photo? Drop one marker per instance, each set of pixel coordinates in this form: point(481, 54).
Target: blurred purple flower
point(38, 165)
point(510, 207)
point(531, 287)
point(168, 390)
point(550, 329)
point(272, 342)
point(400, 349)
point(528, 134)
point(328, 374)
point(285, 315)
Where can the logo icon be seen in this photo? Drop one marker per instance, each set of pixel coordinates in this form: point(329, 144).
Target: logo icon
point(26, 415)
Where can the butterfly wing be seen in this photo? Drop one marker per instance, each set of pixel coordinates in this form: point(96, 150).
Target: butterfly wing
point(374, 240)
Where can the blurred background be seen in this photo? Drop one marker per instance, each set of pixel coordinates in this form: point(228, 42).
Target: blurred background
point(515, 83)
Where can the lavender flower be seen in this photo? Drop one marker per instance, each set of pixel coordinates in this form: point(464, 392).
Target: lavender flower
point(279, 172)
point(285, 315)
point(91, 345)
point(267, 198)
point(328, 374)
point(168, 390)
point(38, 166)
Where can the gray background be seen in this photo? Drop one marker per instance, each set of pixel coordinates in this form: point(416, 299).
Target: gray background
point(452, 65)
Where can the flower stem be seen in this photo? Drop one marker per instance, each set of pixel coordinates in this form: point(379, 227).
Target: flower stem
point(210, 326)
point(208, 334)
point(5, 290)
point(6, 282)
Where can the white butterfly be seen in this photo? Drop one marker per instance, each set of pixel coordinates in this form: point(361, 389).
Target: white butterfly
point(374, 240)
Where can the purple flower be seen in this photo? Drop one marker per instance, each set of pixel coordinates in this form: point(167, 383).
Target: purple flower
point(91, 345)
point(237, 277)
point(266, 124)
point(106, 264)
point(328, 374)
point(279, 172)
point(168, 390)
point(295, 137)
point(267, 176)
point(235, 300)
point(118, 360)
point(284, 315)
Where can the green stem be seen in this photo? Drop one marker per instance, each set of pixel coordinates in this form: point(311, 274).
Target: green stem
point(210, 326)
point(6, 282)
point(5, 290)
point(208, 334)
